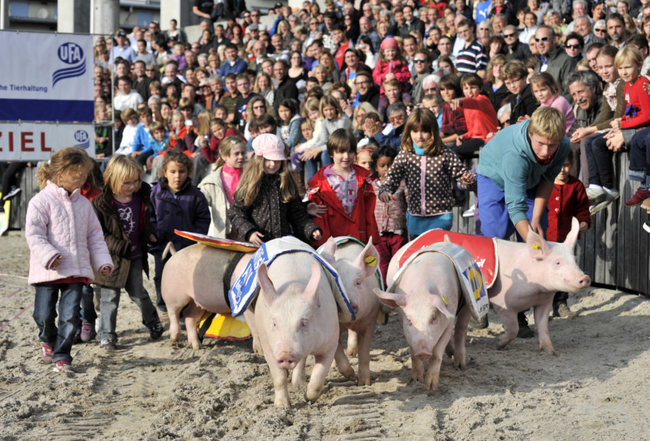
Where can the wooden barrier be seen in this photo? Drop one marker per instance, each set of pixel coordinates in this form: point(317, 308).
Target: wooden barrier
point(614, 252)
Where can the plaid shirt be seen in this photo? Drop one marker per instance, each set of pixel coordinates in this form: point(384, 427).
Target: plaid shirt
point(391, 217)
point(453, 121)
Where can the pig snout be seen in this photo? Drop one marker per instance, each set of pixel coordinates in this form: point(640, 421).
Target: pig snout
point(580, 282)
point(286, 361)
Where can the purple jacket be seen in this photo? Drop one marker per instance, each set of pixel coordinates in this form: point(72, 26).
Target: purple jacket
point(186, 210)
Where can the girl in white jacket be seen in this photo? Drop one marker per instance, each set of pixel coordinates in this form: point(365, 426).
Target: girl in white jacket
point(66, 243)
point(219, 186)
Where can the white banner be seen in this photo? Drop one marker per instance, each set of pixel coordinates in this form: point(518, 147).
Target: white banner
point(46, 77)
point(37, 142)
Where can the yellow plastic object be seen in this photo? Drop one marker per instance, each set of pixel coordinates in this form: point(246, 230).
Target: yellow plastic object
point(217, 242)
point(226, 327)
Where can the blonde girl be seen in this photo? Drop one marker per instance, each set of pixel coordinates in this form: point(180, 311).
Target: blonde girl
point(267, 202)
point(311, 112)
point(547, 93)
point(124, 211)
point(66, 244)
point(220, 185)
point(178, 129)
point(431, 206)
point(320, 73)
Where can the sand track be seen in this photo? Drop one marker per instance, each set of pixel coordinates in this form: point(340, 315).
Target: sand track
point(596, 388)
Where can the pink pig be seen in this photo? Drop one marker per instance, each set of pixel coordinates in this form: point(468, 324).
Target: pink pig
point(295, 315)
point(529, 275)
point(427, 297)
point(359, 280)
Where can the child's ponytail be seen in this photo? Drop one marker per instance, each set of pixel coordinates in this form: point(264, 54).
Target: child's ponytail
point(62, 162)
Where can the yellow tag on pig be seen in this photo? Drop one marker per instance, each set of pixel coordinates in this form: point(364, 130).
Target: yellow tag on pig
point(371, 261)
point(536, 246)
point(444, 299)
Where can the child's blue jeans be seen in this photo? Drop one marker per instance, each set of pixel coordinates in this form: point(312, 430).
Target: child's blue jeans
point(45, 316)
point(640, 157)
point(493, 211)
point(88, 304)
point(312, 164)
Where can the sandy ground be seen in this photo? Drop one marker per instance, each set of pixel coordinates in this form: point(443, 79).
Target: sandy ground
point(595, 389)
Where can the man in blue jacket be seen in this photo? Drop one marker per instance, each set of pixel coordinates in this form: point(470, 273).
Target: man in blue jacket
point(233, 64)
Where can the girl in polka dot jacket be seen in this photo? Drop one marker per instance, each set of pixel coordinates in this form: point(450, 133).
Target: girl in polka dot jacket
point(427, 167)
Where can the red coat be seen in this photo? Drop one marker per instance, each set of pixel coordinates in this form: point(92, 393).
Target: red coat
point(211, 153)
point(566, 201)
point(382, 68)
point(361, 224)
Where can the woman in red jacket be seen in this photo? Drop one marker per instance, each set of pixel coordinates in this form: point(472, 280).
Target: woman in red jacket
point(346, 191)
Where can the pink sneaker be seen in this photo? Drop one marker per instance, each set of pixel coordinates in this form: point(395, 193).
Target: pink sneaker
point(87, 331)
point(47, 352)
point(62, 365)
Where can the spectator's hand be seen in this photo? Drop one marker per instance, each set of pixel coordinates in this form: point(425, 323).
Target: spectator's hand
point(579, 134)
point(196, 154)
point(584, 226)
point(370, 128)
point(490, 136)
point(386, 197)
point(615, 140)
point(100, 155)
point(172, 135)
point(459, 140)
point(646, 87)
point(318, 36)
point(347, 108)
point(312, 153)
point(153, 238)
point(315, 210)
point(105, 271)
point(317, 235)
point(135, 154)
point(523, 118)
point(390, 76)
point(256, 238)
point(537, 227)
point(616, 123)
point(30, 165)
point(456, 103)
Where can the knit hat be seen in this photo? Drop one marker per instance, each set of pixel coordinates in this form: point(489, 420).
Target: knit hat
point(389, 43)
point(270, 147)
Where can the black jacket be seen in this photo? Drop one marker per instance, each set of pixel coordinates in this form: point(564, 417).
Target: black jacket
point(526, 106)
point(286, 89)
point(371, 97)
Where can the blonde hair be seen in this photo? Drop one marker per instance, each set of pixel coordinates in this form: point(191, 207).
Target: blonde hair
point(251, 182)
point(204, 118)
point(366, 107)
point(225, 147)
point(548, 122)
point(425, 121)
point(629, 52)
point(329, 100)
point(251, 103)
point(64, 161)
point(121, 169)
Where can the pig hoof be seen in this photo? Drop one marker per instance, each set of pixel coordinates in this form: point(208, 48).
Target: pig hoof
point(284, 402)
point(549, 351)
point(348, 373)
point(364, 381)
point(352, 352)
point(312, 396)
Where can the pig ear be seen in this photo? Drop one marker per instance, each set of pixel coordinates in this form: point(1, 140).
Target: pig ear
point(368, 260)
point(390, 299)
point(448, 310)
point(268, 291)
point(447, 239)
point(537, 246)
point(572, 237)
point(311, 290)
point(328, 251)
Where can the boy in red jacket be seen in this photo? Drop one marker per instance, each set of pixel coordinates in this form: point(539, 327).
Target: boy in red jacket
point(345, 189)
point(568, 200)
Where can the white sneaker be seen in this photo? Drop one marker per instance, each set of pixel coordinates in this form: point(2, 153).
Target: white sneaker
point(470, 211)
point(646, 227)
point(13, 192)
point(595, 195)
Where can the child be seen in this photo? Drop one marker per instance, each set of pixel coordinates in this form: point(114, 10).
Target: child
point(364, 158)
point(453, 120)
point(176, 204)
point(178, 131)
point(131, 126)
point(568, 200)
point(157, 146)
point(344, 188)
point(55, 216)
point(219, 130)
point(523, 102)
point(423, 158)
point(435, 104)
point(481, 119)
point(289, 123)
point(103, 133)
point(391, 64)
point(266, 204)
point(141, 140)
point(391, 216)
point(628, 62)
point(219, 186)
point(547, 93)
point(333, 119)
point(123, 210)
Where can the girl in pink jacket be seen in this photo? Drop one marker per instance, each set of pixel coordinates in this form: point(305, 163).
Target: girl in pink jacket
point(391, 64)
point(66, 243)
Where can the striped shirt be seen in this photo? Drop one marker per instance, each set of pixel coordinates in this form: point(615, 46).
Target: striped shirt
point(472, 59)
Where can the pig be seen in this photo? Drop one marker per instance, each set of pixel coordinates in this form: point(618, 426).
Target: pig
point(359, 280)
point(194, 277)
point(427, 297)
point(529, 275)
point(295, 315)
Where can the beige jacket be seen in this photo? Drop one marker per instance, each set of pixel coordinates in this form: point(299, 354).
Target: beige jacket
point(212, 188)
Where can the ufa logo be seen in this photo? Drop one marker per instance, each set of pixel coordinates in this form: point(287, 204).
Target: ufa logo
point(82, 138)
point(73, 55)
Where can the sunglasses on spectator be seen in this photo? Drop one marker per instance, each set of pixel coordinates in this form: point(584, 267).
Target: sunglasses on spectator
point(419, 60)
point(150, 70)
point(259, 107)
point(360, 83)
point(572, 46)
point(396, 118)
point(508, 35)
point(600, 30)
point(542, 39)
